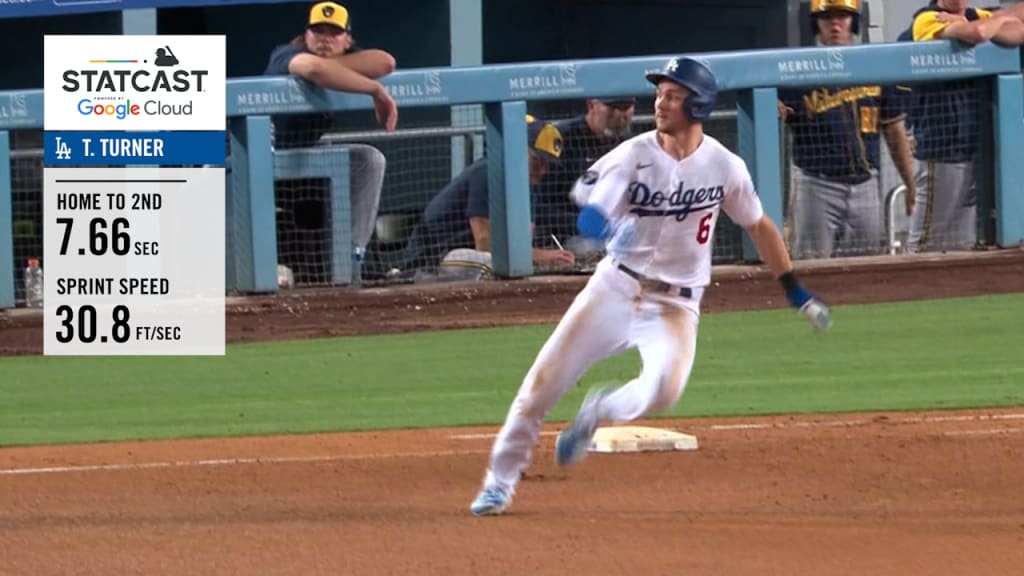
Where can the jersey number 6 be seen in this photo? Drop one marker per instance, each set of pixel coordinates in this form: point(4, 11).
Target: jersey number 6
point(704, 230)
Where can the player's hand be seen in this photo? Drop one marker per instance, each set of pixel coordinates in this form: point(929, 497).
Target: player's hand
point(784, 111)
point(818, 314)
point(386, 109)
point(909, 199)
point(554, 257)
point(809, 305)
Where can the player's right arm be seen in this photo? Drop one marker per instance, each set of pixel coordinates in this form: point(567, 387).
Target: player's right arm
point(895, 130)
point(478, 213)
point(601, 193)
point(333, 74)
point(790, 103)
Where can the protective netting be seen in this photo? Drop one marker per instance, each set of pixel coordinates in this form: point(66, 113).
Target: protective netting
point(854, 153)
point(26, 204)
point(430, 169)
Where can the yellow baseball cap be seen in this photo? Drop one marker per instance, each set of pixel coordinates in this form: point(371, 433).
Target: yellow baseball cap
point(545, 138)
point(819, 6)
point(329, 13)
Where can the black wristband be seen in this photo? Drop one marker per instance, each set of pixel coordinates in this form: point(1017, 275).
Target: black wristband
point(789, 282)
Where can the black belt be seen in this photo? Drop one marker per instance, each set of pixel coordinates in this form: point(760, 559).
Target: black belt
point(843, 179)
point(652, 285)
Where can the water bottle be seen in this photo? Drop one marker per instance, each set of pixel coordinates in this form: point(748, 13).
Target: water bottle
point(285, 277)
point(357, 266)
point(33, 284)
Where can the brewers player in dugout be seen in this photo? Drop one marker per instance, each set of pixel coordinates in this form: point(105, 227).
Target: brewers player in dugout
point(458, 218)
point(325, 55)
point(836, 147)
point(945, 119)
point(654, 201)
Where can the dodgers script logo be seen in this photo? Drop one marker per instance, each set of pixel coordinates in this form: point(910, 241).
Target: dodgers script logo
point(679, 203)
point(134, 82)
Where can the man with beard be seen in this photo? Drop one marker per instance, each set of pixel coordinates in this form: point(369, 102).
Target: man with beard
point(325, 55)
point(606, 123)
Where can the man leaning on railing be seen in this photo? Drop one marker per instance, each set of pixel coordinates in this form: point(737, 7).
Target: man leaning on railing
point(326, 55)
point(945, 118)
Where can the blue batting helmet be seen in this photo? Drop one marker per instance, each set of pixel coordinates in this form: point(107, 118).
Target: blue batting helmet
point(696, 78)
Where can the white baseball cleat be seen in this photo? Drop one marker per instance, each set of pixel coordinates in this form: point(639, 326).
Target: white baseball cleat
point(490, 502)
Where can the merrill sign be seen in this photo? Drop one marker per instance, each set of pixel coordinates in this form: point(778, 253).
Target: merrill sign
point(830, 66)
point(557, 82)
point(292, 99)
point(428, 90)
point(943, 63)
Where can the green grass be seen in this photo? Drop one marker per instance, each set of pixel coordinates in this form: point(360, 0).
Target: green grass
point(935, 354)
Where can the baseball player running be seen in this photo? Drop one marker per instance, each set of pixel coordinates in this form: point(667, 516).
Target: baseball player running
point(945, 118)
point(654, 200)
point(836, 149)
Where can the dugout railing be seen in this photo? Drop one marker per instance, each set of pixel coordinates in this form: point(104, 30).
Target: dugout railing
point(502, 92)
point(407, 195)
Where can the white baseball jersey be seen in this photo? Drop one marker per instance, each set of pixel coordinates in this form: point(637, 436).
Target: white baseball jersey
point(664, 211)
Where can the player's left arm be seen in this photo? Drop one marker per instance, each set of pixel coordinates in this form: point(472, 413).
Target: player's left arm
point(772, 249)
point(895, 130)
point(1002, 27)
point(744, 208)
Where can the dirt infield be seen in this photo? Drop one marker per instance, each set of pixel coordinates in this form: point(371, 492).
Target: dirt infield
point(878, 494)
point(859, 494)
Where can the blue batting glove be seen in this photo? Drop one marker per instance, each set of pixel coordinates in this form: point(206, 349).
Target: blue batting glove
point(816, 312)
point(798, 296)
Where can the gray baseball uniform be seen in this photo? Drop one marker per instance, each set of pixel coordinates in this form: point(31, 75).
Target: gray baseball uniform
point(825, 210)
point(836, 149)
point(945, 215)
